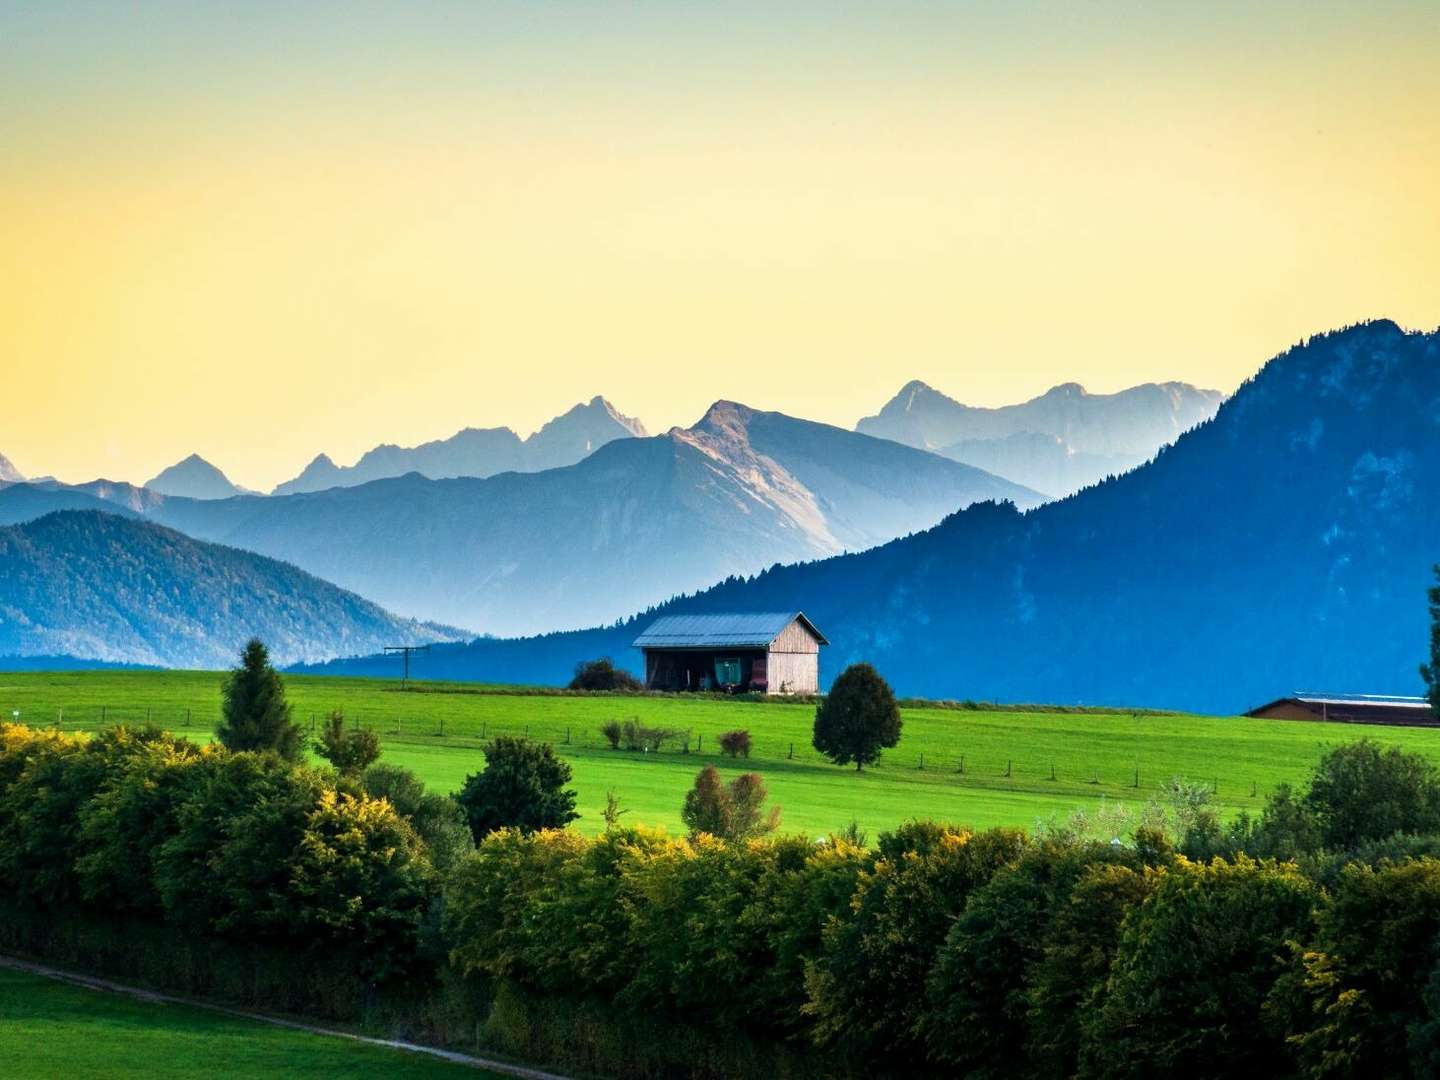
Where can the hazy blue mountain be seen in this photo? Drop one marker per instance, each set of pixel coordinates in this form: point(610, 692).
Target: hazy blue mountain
point(109, 587)
point(478, 452)
point(1087, 436)
point(194, 478)
point(1042, 461)
point(8, 473)
point(637, 521)
point(26, 502)
point(1284, 545)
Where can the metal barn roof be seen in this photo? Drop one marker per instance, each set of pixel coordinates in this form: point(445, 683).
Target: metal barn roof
point(1353, 706)
point(1379, 701)
point(755, 630)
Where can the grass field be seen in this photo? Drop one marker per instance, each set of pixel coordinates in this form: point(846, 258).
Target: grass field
point(437, 729)
point(50, 1029)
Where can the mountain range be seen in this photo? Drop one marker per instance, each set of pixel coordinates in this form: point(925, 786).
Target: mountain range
point(1064, 440)
point(8, 473)
point(479, 452)
point(1285, 544)
point(110, 587)
point(635, 522)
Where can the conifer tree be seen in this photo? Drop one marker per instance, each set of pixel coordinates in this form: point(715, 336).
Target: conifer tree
point(1431, 672)
point(254, 712)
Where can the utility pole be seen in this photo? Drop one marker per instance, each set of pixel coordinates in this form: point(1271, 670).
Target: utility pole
point(404, 651)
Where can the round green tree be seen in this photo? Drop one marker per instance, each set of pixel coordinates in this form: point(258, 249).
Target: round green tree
point(254, 714)
point(858, 718)
point(522, 786)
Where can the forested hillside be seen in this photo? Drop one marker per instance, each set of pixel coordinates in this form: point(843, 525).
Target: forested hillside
point(107, 587)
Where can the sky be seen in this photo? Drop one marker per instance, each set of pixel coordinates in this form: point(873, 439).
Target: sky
point(264, 230)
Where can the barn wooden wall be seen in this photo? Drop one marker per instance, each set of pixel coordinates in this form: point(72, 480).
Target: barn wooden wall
point(798, 673)
point(795, 661)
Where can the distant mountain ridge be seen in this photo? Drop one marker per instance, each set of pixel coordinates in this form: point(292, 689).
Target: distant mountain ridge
point(478, 452)
point(112, 588)
point(1286, 543)
point(195, 478)
point(1059, 442)
point(636, 521)
point(8, 473)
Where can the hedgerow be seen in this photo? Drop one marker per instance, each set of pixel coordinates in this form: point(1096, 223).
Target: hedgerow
point(941, 950)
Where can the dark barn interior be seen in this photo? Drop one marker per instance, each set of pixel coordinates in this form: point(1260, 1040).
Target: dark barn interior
point(706, 669)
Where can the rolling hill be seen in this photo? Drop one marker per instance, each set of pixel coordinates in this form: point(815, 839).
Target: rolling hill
point(1285, 544)
point(479, 452)
point(1059, 442)
point(112, 588)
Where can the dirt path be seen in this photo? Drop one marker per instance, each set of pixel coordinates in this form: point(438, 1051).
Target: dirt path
point(106, 985)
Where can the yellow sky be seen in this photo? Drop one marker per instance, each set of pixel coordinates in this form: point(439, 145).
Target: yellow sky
point(382, 235)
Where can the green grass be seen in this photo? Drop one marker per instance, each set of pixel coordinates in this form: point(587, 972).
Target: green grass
point(441, 730)
point(55, 1029)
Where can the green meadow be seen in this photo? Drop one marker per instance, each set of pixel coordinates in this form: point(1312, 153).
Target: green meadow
point(982, 767)
point(50, 1028)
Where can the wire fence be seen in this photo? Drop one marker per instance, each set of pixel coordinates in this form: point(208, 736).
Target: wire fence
point(1027, 772)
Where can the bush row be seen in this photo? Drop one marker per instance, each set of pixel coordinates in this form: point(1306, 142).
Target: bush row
point(939, 950)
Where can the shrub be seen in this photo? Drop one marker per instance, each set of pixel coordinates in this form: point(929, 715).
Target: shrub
point(1195, 964)
point(226, 869)
point(729, 812)
point(490, 899)
point(1367, 989)
point(613, 732)
point(522, 786)
point(123, 828)
point(254, 713)
point(51, 777)
point(637, 736)
point(351, 752)
point(602, 674)
point(978, 983)
point(857, 719)
point(1360, 792)
point(360, 878)
point(735, 743)
point(1066, 984)
point(437, 819)
point(871, 972)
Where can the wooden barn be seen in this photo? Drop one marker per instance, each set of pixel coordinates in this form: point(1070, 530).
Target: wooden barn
point(1349, 709)
point(772, 652)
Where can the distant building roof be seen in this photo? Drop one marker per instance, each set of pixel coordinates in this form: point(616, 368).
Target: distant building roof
point(754, 630)
point(1379, 701)
point(1376, 708)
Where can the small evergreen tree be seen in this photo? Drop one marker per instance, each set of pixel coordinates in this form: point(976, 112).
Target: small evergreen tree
point(857, 719)
point(351, 752)
point(1431, 672)
point(254, 714)
point(522, 786)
